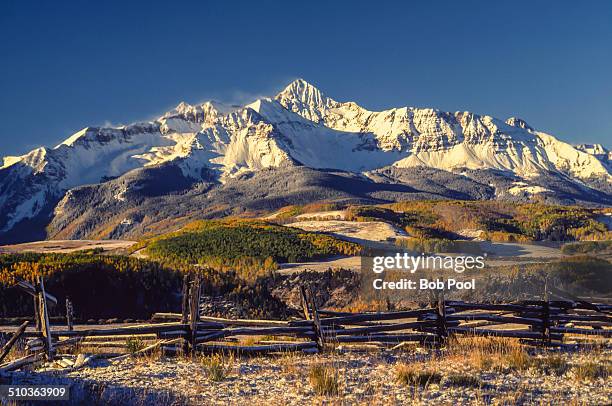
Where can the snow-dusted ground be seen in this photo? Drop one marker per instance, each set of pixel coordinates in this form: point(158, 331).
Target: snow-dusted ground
point(363, 378)
point(521, 188)
point(370, 231)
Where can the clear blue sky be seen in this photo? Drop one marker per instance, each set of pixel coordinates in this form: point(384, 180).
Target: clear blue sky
point(65, 65)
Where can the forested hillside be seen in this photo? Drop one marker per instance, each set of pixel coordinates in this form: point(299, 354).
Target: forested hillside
point(494, 220)
point(244, 244)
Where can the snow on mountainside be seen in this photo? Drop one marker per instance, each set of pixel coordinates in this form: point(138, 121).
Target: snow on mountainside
point(599, 152)
point(428, 137)
point(298, 127)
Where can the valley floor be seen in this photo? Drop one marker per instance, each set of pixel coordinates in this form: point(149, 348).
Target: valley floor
point(65, 246)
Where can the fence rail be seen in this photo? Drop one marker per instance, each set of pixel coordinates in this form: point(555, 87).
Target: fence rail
point(534, 322)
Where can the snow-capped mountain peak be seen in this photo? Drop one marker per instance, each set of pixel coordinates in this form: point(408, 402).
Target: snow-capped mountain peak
point(301, 90)
point(299, 126)
point(519, 122)
point(306, 100)
point(200, 113)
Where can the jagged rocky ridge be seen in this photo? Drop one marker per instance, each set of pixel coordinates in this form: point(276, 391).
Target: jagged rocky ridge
point(300, 146)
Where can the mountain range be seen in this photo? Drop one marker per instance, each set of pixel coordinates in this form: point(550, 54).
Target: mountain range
point(301, 146)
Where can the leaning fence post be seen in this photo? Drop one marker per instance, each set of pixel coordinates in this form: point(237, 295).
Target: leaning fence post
point(304, 300)
point(316, 321)
point(44, 319)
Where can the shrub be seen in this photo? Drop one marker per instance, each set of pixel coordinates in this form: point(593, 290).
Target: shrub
point(587, 247)
point(134, 344)
point(216, 367)
point(462, 380)
point(552, 364)
point(416, 375)
point(324, 380)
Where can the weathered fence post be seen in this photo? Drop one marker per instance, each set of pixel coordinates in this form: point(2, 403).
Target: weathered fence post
point(546, 315)
point(304, 301)
point(44, 319)
point(36, 313)
point(69, 314)
point(185, 300)
point(546, 322)
point(316, 321)
point(194, 309)
point(441, 319)
point(185, 311)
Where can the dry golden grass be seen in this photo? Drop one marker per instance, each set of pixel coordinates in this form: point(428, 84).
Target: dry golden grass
point(360, 305)
point(481, 362)
point(486, 345)
point(249, 340)
point(150, 356)
point(517, 360)
point(324, 380)
point(576, 402)
point(217, 366)
point(486, 353)
point(290, 362)
point(591, 370)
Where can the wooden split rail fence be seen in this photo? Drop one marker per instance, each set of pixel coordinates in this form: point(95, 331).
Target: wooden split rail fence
point(533, 322)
